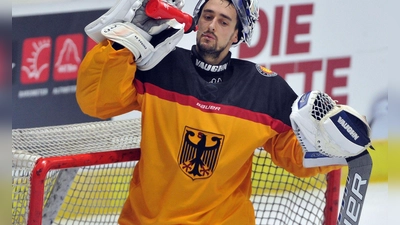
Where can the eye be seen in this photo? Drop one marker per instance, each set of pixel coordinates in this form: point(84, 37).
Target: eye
point(224, 23)
point(207, 17)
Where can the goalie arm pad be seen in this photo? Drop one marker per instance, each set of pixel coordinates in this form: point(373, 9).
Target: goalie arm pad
point(140, 43)
point(328, 132)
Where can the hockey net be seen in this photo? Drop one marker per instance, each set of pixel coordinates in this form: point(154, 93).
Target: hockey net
point(80, 174)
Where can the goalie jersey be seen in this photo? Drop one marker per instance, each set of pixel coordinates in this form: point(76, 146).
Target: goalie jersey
point(198, 134)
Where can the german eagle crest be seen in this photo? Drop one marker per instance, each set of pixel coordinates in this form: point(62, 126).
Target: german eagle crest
point(199, 153)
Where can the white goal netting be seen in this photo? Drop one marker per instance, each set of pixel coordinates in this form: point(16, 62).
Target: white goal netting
point(95, 192)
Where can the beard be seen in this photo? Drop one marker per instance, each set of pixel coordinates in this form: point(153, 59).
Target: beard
point(206, 50)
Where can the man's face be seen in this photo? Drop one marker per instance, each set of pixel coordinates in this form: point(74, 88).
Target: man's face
point(216, 29)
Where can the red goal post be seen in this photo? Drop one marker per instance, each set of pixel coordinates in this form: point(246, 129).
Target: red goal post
point(80, 174)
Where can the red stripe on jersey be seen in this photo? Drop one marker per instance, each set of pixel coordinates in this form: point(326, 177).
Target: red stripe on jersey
point(211, 107)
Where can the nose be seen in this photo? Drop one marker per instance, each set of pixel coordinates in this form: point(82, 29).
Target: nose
point(211, 26)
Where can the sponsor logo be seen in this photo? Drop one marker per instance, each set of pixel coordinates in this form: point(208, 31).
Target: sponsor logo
point(348, 128)
point(199, 153)
point(215, 80)
point(303, 100)
point(36, 65)
point(39, 92)
point(353, 207)
point(208, 107)
point(314, 155)
point(211, 68)
point(70, 89)
point(140, 41)
point(68, 51)
point(36, 53)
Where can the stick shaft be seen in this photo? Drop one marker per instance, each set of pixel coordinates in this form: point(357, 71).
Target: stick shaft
point(360, 168)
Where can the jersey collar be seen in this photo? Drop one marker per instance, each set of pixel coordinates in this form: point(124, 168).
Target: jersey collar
point(204, 68)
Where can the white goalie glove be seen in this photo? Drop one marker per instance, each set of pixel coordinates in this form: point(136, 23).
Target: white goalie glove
point(122, 11)
point(328, 132)
point(127, 24)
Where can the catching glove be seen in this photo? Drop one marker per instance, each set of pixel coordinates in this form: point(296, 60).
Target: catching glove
point(127, 24)
point(328, 132)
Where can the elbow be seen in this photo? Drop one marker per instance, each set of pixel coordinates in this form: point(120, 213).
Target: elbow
point(87, 107)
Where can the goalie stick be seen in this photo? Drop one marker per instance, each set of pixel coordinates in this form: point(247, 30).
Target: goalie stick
point(360, 167)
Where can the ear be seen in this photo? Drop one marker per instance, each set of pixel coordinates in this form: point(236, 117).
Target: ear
point(235, 36)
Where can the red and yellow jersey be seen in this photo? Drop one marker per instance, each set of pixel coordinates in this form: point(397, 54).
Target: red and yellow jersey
point(198, 138)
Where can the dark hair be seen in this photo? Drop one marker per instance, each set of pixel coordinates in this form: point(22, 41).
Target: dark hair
point(238, 26)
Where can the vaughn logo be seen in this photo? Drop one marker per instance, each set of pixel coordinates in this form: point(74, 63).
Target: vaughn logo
point(348, 128)
point(199, 153)
point(211, 68)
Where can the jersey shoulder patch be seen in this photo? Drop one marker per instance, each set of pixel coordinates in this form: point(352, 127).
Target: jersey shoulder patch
point(265, 72)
